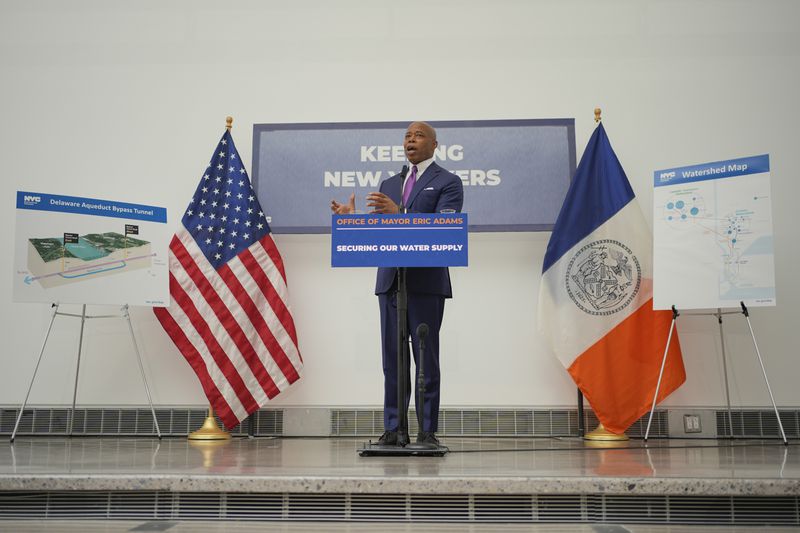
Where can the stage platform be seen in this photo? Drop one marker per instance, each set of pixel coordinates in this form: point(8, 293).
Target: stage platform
point(481, 481)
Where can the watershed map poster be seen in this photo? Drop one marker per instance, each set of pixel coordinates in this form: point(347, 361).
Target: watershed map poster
point(712, 235)
point(71, 249)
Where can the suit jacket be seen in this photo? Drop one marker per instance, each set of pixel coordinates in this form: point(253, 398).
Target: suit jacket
point(435, 190)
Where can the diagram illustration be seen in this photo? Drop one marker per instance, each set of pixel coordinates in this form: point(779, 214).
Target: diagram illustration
point(54, 261)
point(736, 234)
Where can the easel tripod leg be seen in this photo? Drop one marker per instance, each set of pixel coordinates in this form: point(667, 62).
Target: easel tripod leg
point(35, 370)
point(675, 315)
point(126, 314)
point(764, 372)
point(77, 371)
point(725, 371)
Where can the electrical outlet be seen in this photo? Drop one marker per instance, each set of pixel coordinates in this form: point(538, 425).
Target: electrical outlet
point(691, 424)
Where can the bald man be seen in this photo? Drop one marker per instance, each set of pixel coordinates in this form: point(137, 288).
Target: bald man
point(427, 188)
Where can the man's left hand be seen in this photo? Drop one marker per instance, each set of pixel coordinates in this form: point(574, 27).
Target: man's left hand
point(380, 203)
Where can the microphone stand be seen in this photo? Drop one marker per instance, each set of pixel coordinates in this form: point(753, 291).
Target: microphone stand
point(422, 333)
point(402, 339)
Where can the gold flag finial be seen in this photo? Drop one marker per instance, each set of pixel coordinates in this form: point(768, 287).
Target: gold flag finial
point(228, 123)
point(597, 112)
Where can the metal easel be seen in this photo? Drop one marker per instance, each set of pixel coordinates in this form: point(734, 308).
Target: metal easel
point(84, 317)
point(719, 314)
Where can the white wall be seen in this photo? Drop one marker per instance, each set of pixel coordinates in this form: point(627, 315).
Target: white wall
point(126, 100)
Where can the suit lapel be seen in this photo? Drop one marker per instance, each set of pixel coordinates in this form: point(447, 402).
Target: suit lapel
point(395, 191)
point(423, 182)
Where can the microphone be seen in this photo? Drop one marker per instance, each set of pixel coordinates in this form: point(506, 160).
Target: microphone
point(422, 332)
point(403, 173)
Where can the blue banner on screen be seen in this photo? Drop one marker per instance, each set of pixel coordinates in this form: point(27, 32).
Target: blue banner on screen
point(756, 164)
point(412, 240)
point(515, 172)
point(78, 205)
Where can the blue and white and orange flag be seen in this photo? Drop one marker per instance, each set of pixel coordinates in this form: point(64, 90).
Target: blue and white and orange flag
point(230, 314)
point(596, 295)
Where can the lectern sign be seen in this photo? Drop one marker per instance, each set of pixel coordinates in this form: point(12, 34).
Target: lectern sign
point(411, 240)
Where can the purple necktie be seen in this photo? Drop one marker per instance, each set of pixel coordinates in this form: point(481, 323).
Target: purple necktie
point(412, 179)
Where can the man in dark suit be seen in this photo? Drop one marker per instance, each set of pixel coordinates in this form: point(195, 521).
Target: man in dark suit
point(427, 188)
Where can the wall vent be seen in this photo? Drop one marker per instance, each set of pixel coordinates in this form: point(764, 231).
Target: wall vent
point(490, 423)
point(128, 421)
point(180, 421)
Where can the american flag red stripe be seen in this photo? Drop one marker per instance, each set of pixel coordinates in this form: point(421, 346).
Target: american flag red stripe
point(281, 310)
point(216, 355)
point(196, 361)
point(264, 282)
point(249, 307)
point(201, 352)
point(210, 284)
point(197, 327)
point(281, 313)
point(230, 316)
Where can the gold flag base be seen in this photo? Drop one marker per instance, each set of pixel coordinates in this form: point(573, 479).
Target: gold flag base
point(602, 434)
point(210, 430)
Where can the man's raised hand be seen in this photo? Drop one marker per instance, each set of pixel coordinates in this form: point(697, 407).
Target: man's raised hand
point(344, 209)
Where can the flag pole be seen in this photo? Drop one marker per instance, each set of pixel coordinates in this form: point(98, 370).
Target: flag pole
point(600, 433)
point(581, 414)
point(210, 430)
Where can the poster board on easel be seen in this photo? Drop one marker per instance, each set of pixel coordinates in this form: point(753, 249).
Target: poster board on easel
point(712, 235)
point(71, 249)
point(713, 247)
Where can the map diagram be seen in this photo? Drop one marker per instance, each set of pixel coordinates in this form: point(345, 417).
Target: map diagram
point(76, 249)
point(713, 244)
point(51, 263)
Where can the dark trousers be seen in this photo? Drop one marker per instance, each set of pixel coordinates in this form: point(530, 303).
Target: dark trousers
point(422, 308)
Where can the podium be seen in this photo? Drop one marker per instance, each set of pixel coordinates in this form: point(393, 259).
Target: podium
point(401, 241)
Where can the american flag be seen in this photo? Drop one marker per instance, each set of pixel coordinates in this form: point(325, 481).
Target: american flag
point(229, 315)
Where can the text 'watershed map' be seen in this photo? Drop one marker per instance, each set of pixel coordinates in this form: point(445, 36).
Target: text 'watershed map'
point(712, 235)
point(52, 262)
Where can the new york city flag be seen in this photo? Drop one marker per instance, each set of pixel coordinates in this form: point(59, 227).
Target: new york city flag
point(596, 294)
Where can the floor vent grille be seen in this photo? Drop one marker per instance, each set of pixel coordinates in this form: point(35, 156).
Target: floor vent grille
point(753, 423)
point(631, 509)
